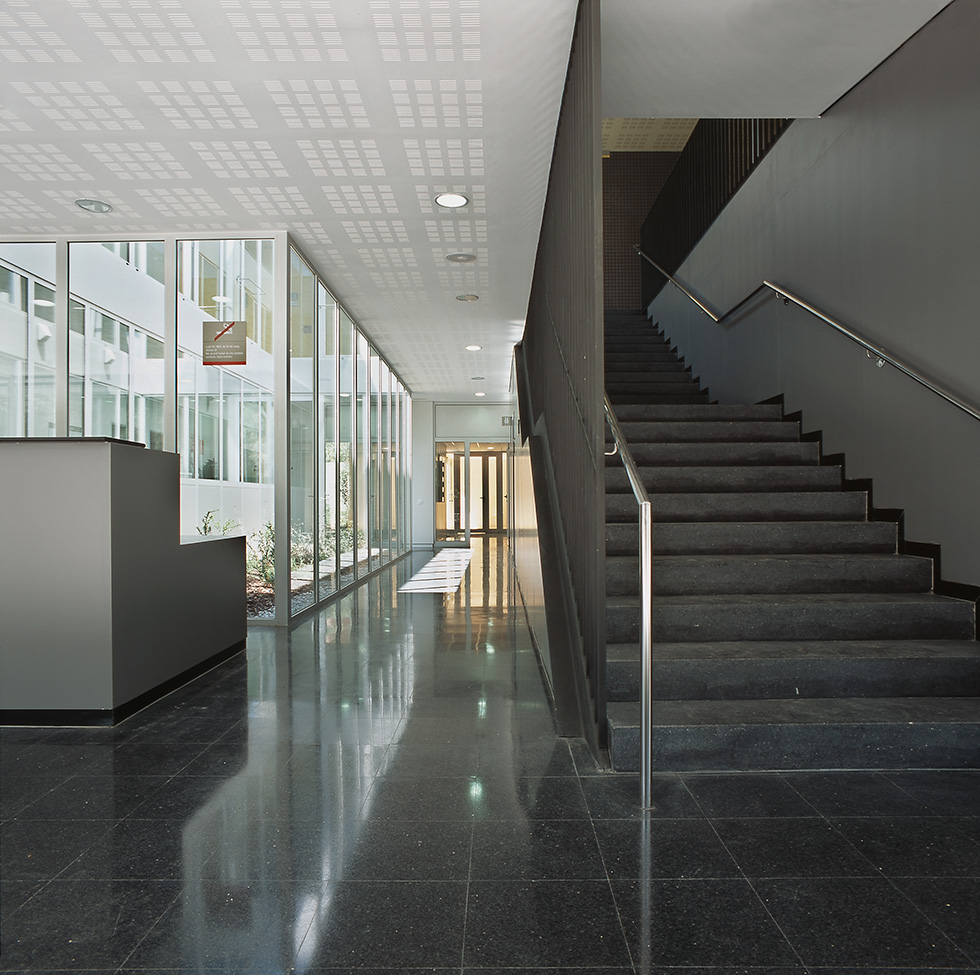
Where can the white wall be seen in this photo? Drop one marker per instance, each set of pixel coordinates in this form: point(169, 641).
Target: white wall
point(872, 213)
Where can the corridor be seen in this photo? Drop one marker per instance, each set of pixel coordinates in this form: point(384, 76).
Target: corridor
point(381, 790)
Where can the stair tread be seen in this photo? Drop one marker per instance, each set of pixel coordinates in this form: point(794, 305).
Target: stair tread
point(798, 649)
point(802, 711)
point(818, 598)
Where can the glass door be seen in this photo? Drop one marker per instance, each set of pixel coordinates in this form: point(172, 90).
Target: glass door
point(471, 490)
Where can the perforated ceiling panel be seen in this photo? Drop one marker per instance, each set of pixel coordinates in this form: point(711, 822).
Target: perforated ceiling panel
point(339, 120)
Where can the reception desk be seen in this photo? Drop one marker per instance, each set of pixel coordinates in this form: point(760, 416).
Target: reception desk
point(102, 610)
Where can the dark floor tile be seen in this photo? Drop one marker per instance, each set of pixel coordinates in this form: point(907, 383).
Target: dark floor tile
point(535, 849)
point(406, 761)
point(617, 796)
point(662, 848)
point(83, 925)
point(953, 905)
point(408, 851)
point(791, 848)
point(545, 971)
point(179, 797)
point(394, 925)
point(220, 758)
point(835, 794)
point(534, 756)
point(476, 798)
point(153, 758)
point(542, 922)
point(946, 793)
point(42, 849)
point(970, 825)
point(691, 923)
point(231, 925)
point(17, 792)
point(111, 797)
point(747, 794)
point(132, 849)
point(914, 847)
point(14, 894)
point(47, 758)
point(863, 922)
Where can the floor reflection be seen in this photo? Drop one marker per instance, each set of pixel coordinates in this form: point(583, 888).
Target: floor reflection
point(381, 790)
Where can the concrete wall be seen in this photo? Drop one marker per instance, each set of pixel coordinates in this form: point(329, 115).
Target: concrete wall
point(872, 213)
point(99, 603)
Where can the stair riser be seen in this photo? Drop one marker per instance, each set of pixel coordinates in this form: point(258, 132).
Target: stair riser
point(757, 538)
point(712, 431)
point(790, 620)
point(635, 358)
point(782, 747)
point(719, 454)
point(681, 385)
point(756, 574)
point(675, 479)
point(761, 506)
point(655, 374)
point(785, 679)
point(715, 413)
point(657, 399)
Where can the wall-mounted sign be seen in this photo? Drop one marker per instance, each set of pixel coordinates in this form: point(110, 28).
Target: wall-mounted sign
point(224, 343)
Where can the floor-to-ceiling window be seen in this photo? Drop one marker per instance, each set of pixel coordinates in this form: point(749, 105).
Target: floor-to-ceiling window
point(172, 343)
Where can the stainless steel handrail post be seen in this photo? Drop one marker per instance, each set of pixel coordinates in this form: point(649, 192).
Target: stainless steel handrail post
point(646, 605)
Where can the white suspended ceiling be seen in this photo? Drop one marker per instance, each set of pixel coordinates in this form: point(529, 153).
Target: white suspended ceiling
point(340, 120)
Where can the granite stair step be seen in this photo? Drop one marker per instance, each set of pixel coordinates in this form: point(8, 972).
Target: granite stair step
point(747, 670)
point(743, 506)
point(728, 478)
point(679, 575)
point(801, 733)
point(753, 538)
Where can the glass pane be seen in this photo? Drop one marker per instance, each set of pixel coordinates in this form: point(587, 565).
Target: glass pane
point(328, 470)
point(28, 345)
point(363, 480)
point(374, 378)
point(115, 355)
point(302, 458)
point(224, 412)
point(346, 448)
point(385, 458)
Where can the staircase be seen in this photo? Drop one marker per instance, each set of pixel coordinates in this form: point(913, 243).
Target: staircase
point(788, 631)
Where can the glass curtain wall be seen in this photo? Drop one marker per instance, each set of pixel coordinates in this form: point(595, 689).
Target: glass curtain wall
point(348, 412)
point(225, 411)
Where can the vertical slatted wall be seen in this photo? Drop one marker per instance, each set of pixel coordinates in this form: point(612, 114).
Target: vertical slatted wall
point(563, 339)
point(715, 162)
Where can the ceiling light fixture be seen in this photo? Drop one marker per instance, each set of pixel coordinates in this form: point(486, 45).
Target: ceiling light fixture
point(473, 348)
point(221, 299)
point(467, 297)
point(93, 206)
point(451, 200)
point(461, 258)
point(479, 394)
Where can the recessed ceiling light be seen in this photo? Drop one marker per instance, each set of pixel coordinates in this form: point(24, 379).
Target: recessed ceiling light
point(479, 394)
point(461, 258)
point(473, 348)
point(44, 302)
point(451, 200)
point(467, 297)
point(93, 206)
point(221, 299)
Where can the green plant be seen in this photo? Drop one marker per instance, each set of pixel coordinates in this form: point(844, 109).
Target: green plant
point(260, 555)
point(210, 526)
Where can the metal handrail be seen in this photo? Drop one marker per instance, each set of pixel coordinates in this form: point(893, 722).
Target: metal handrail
point(869, 347)
point(646, 602)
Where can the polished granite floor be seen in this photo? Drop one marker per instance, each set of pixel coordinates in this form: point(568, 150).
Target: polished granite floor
point(381, 790)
